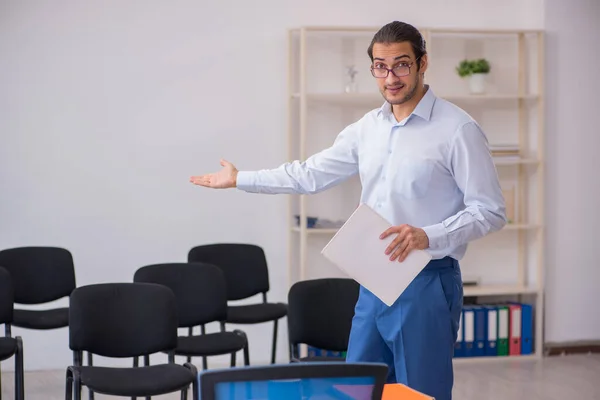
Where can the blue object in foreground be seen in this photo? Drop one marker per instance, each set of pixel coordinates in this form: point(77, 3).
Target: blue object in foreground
point(311, 380)
point(298, 389)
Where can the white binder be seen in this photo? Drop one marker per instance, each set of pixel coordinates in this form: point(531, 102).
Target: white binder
point(357, 250)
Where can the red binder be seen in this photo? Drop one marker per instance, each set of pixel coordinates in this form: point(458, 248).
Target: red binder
point(514, 330)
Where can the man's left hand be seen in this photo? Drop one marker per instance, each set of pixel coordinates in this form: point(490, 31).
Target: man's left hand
point(408, 238)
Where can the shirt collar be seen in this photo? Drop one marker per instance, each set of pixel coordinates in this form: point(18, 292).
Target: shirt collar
point(423, 108)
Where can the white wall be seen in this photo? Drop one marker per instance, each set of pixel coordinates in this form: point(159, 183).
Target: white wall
point(573, 186)
point(106, 109)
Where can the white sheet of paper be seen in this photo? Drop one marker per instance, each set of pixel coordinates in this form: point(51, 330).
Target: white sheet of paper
point(357, 249)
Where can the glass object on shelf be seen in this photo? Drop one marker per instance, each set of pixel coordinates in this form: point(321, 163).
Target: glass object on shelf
point(351, 85)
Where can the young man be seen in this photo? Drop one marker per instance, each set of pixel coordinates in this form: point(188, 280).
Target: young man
point(425, 166)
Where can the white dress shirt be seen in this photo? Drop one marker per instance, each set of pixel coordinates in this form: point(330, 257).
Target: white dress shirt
point(432, 170)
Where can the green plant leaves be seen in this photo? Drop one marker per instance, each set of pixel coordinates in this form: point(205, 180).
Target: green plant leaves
point(469, 67)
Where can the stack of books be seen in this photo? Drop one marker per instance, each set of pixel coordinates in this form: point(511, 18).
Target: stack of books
point(316, 352)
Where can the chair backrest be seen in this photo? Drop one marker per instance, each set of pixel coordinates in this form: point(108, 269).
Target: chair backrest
point(330, 380)
point(6, 297)
point(39, 274)
point(244, 265)
point(200, 290)
point(320, 312)
point(122, 319)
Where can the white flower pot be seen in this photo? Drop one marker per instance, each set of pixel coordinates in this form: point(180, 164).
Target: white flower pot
point(477, 83)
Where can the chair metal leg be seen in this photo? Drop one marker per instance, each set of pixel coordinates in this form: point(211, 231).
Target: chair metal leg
point(69, 385)
point(233, 359)
point(274, 348)
point(73, 382)
point(136, 363)
point(78, 362)
point(246, 355)
point(77, 389)
point(90, 363)
point(19, 371)
point(147, 364)
point(246, 350)
point(204, 360)
point(194, 371)
point(195, 394)
point(190, 333)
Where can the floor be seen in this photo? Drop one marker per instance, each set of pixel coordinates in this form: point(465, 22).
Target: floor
point(562, 377)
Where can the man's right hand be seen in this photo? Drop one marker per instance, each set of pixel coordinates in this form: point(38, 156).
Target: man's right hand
point(225, 178)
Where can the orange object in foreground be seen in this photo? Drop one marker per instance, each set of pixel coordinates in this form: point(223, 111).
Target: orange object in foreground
point(398, 391)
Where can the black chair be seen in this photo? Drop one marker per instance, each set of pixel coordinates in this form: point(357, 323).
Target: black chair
point(122, 320)
point(201, 294)
point(247, 274)
point(336, 380)
point(10, 346)
point(40, 275)
point(320, 313)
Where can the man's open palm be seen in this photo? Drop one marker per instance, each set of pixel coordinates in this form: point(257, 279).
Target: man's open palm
point(225, 178)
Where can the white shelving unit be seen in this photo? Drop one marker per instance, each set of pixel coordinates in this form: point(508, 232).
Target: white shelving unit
point(508, 263)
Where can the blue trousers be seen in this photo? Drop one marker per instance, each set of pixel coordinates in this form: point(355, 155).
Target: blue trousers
point(415, 336)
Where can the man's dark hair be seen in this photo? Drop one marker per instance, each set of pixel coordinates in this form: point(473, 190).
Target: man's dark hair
point(396, 32)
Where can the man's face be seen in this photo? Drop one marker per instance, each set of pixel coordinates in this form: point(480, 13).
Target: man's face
point(397, 90)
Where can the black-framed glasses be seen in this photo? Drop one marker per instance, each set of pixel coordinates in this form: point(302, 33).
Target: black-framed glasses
point(400, 70)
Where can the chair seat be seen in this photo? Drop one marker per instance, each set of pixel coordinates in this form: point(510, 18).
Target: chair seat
point(8, 347)
point(255, 313)
point(210, 344)
point(41, 319)
point(142, 381)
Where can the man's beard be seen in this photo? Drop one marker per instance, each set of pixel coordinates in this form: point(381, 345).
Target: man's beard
point(408, 95)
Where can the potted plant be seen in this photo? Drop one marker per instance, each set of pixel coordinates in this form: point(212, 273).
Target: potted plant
point(476, 70)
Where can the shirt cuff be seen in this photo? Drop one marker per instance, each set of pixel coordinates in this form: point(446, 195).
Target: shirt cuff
point(246, 181)
point(438, 237)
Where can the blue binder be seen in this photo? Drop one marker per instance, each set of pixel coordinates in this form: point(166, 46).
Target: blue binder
point(526, 329)
point(491, 343)
point(459, 345)
point(480, 331)
point(469, 331)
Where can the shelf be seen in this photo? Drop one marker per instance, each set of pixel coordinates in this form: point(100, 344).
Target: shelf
point(521, 227)
point(528, 357)
point(498, 290)
point(371, 30)
point(376, 98)
point(515, 161)
point(333, 231)
point(338, 29)
point(317, 231)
